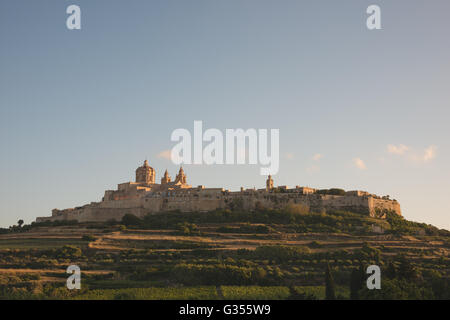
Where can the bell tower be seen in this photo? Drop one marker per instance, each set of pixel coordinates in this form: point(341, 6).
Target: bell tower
point(181, 177)
point(166, 179)
point(269, 183)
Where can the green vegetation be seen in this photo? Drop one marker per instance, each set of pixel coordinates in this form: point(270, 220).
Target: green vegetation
point(197, 293)
point(88, 237)
point(330, 286)
point(255, 293)
point(291, 253)
point(41, 243)
point(401, 226)
point(297, 217)
point(332, 191)
point(319, 292)
point(187, 228)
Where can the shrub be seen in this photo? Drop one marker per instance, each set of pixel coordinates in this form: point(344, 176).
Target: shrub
point(88, 237)
point(187, 228)
point(69, 252)
point(315, 244)
point(131, 220)
point(297, 209)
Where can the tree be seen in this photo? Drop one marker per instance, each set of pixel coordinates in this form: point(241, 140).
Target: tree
point(131, 220)
point(330, 287)
point(357, 279)
point(354, 285)
point(20, 223)
point(406, 270)
point(391, 270)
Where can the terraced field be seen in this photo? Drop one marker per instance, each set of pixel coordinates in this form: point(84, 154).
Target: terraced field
point(233, 260)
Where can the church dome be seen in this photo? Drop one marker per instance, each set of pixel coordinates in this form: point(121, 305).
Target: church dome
point(145, 174)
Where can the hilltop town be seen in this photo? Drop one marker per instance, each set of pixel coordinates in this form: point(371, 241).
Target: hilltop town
point(146, 197)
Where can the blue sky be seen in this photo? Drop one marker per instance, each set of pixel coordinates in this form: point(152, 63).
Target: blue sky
point(80, 110)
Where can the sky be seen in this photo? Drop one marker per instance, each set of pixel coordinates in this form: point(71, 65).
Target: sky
point(356, 109)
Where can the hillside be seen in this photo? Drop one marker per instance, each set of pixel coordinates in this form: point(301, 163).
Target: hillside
point(268, 254)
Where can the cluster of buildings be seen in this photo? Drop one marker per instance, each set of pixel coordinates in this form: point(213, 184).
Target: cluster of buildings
point(146, 197)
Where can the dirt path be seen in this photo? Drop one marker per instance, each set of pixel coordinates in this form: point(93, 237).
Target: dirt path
point(12, 270)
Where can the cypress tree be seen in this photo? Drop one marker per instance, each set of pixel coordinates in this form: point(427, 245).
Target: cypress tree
point(406, 270)
point(355, 285)
point(391, 271)
point(330, 287)
point(357, 281)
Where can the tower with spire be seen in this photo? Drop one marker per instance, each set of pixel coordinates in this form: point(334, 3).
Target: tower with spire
point(181, 177)
point(269, 183)
point(166, 178)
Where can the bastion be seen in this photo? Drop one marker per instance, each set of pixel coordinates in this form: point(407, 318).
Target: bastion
point(144, 196)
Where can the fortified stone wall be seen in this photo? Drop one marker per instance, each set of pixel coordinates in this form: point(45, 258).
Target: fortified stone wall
point(379, 207)
point(107, 210)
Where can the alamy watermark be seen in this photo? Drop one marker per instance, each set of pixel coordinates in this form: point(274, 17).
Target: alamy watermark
point(236, 146)
point(374, 280)
point(74, 281)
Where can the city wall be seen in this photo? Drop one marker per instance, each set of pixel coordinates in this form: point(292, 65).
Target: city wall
point(116, 209)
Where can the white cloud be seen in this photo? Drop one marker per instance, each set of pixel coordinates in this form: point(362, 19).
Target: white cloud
point(166, 154)
point(317, 157)
point(359, 164)
point(413, 156)
point(400, 149)
point(430, 153)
